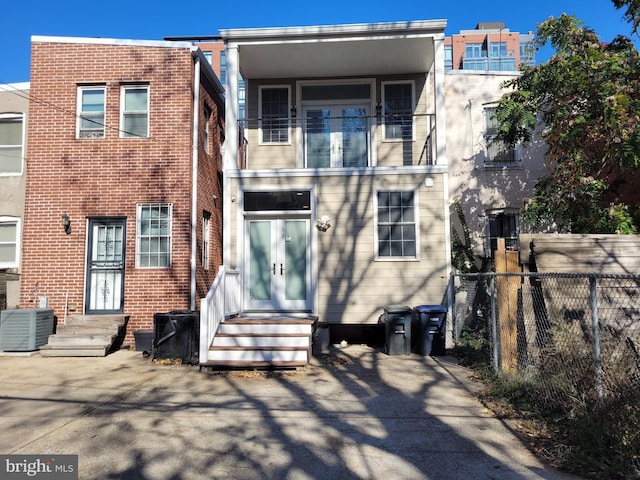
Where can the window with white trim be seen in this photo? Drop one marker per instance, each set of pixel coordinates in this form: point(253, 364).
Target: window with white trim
point(497, 153)
point(206, 243)
point(397, 103)
point(396, 224)
point(274, 114)
point(134, 111)
point(91, 101)
point(9, 242)
point(11, 144)
point(153, 235)
point(206, 138)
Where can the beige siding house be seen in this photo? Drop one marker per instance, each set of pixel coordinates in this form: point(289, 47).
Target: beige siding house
point(14, 107)
point(336, 201)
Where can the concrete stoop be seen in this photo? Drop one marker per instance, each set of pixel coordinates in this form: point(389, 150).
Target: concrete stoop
point(86, 336)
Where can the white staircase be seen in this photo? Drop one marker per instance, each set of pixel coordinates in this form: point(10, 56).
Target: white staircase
point(85, 336)
point(245, 342)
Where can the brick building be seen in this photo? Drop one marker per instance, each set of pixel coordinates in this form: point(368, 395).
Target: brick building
point(489, 47)
point(123, 179)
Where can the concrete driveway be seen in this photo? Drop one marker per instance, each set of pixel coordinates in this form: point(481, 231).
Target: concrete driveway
point(354, 414)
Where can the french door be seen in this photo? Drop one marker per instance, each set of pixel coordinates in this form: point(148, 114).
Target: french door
point(277, 265)
point(105, 266)
point(336, 136)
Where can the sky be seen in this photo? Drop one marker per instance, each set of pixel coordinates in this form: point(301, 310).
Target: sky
point(157, 19)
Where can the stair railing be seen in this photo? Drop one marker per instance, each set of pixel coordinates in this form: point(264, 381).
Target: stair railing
point(222, 301)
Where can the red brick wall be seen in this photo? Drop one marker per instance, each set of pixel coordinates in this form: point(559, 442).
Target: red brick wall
point(108, 177)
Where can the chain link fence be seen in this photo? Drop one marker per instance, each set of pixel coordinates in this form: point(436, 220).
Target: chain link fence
point(572, 337)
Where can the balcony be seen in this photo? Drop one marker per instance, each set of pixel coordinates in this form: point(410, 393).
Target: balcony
point(317, 139)
point(499, 64)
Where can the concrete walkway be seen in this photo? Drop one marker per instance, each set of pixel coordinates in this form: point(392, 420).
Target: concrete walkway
point(355, 414)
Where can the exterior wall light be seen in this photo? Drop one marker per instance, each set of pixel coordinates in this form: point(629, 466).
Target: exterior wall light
point(322, 223)
point(66, 223)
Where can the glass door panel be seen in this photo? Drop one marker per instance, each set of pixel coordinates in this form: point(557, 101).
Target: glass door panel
point(295, 260)
point(336, 136)
point(318, 138)
point(278, 265)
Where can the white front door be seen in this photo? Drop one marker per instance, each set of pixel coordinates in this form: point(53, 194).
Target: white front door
point(277, 265)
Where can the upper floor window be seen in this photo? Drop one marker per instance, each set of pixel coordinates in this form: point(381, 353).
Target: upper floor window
point(499, 49)
point(91, 112)
point(153, 237)
point(274, 114)
point(134, 110)
point(11, 144)
point(497, 152)
point(206, 137)
point(396, 221)
point(448, 57)
point(9, 241)
point(474, 50)
point(397, 101)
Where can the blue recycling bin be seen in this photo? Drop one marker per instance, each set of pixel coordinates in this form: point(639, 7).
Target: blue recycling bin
point(429, 329)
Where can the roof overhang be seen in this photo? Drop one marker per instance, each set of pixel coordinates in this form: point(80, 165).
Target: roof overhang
point(336, 50)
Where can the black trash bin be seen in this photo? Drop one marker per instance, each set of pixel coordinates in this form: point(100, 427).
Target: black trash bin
point(397, 328)
point(429, 331)
point(177, 336)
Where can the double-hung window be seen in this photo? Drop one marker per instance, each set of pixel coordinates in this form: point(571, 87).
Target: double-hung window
point(9, 241)
point(396, 224)
point(206, 137)
point(11, 144)
point(274, 114)
point(497, 153)
point(91, 112)
point(153, 235)
point(398, 110)
point(134, 108)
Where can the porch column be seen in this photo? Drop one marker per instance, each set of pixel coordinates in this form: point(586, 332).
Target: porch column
point(441, 114)
point(230, 160)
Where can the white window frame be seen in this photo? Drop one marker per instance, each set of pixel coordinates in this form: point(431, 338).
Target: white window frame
point(17, 221)
point(139, 236)
point(385, 133)
point(123, 90)
point(262, 88)
point(92, 133)
point(14, 117)
point(416, 224)
point(206, 137)
point(490, 136)
point(206, 240)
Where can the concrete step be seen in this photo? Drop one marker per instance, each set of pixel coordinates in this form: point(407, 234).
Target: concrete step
point(104, 329)
point(85, 336)
point(75, 351)
point(96, 320)
point(65, 339)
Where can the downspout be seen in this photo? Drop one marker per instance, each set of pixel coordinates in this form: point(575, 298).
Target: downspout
point(194, 176)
